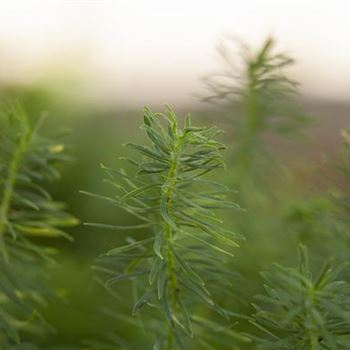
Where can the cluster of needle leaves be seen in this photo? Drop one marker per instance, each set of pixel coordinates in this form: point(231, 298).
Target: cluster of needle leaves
point(303, 312)
point(182, 260)
point(27, 213)
point(261, 97)
point(260, 84)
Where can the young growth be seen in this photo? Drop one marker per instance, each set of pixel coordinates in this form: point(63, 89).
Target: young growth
point(169, 195)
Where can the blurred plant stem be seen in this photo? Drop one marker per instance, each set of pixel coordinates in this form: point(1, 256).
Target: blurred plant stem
point(9, 183)
point(244, 154)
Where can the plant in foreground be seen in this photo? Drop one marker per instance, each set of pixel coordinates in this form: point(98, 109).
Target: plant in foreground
point(302, 312)
point(183, 257)
point(27, 212)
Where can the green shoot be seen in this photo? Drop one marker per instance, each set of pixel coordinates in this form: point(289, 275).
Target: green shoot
point(27, 212)
point(168, 194)
point(303, 312)
point(264, 96)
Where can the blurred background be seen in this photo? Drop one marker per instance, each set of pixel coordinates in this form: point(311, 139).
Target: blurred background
point(93, 64)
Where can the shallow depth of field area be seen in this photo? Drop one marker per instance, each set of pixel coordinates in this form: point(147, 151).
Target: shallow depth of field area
point(216, 219)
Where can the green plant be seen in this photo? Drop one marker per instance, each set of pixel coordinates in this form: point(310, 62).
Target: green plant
point(27, 213)
point(182, 260)
point(176, 267)
point(304, 312)
point(265, 99)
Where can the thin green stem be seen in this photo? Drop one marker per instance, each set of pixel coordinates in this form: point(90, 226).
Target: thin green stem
point(172, 281)
point(170, 260)
point(313, 334)
point(250, 128)
point(9, 183)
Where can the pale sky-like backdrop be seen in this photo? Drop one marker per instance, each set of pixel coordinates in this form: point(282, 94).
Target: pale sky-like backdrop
point(136, 52)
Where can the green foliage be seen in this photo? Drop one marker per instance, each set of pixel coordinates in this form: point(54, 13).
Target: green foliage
point(112, 342)
point(182, 260)
point(262, 87)
point(176, 267)
point(313, 218)
point(27, 213)
point(303, 312)
point(265, 97)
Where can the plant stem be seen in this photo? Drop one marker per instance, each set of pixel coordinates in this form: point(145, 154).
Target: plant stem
point(9, 183)
point(313, 334)
point(250, 128)
point(173, 284)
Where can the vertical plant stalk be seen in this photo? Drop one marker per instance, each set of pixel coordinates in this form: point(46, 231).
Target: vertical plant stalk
point(313, 334)
point(310, 302)
point(10, 182)
point(249, 132)
point(169, 188)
